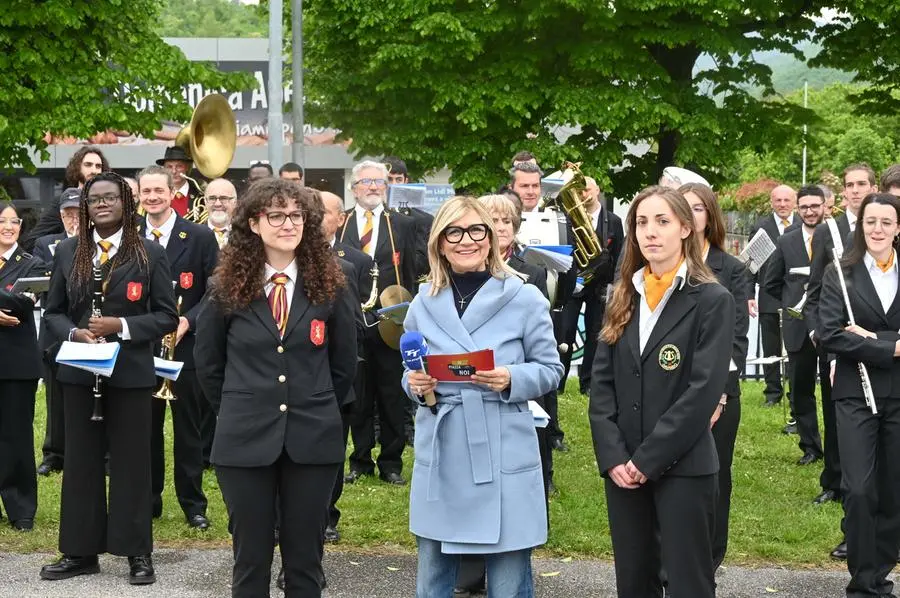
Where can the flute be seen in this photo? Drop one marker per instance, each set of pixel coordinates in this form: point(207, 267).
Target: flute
point(863, 372)
point(96, 307)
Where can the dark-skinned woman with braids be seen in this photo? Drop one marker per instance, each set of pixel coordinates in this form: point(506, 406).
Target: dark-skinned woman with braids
point(108, 258)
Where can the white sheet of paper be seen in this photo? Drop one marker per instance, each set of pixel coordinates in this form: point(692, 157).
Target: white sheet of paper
point(551, 260)
point(167, 369)
point(757, 250)
point(801, 270)
point(541, 418)
point(97, 358)
point(732, 367)
point(765, 360)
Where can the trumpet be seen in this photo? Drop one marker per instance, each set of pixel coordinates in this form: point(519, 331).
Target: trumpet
point(863, 372)
point(96, 312)
point(168, 352)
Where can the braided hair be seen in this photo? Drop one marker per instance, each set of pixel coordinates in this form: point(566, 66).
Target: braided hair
point(132, 248)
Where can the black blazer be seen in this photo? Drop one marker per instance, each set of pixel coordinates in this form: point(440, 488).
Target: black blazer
point(656, 417)
point(733, 275)
point(274, 394)
point(44, 249)
point(404, 231)
point(21, 357)
point(362, 265)
point(535, 274)
point(822, 245)
point(767, 303)
point(790, 252)
point(50, 223)
point(876, 353)
point(193, 252)
point(423, 221)
point(140, 294)
point(611, 235)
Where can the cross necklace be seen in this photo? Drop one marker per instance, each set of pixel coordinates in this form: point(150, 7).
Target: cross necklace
point(462, 298)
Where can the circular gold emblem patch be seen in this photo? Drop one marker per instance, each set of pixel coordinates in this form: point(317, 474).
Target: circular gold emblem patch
point(669, 357)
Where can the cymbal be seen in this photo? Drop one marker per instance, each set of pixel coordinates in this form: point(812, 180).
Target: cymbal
point(390, 331)
point(393, 295)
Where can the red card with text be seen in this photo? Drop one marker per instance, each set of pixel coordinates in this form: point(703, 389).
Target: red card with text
point(459, 367)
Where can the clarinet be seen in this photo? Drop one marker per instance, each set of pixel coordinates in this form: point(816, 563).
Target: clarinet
point(863, 372)
point(96, 307)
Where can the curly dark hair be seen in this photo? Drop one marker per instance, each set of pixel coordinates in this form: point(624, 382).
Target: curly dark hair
point(73, 168)
point(238, 279)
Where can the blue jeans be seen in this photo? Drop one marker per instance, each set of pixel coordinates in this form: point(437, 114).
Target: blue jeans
point(508, 573)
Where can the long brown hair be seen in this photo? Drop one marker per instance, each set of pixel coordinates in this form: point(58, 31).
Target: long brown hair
point(238, 279)
point(73, 168)
point(715, 218)
point(621, 306)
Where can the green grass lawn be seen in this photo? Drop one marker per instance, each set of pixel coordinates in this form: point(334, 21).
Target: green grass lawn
point(773, 519)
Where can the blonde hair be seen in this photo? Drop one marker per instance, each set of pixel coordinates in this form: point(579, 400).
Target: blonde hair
point(450, 211)
point(503, 206)
point(621, 306)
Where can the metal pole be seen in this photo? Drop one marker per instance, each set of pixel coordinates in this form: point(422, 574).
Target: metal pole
point(276, 87)
point(805, 105)
point(298, 150)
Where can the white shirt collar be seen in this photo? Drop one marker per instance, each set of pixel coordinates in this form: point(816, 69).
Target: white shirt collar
point(115, 238)
point(637, 279)
point(226, 228)
point(290, 271)
point(184, 189)
point(331, 242)
point(851, 219)
point(872, 265)
point(790, 219)
point(807, 235)
point(165, 228)
point(376, 211)
point(8, 255)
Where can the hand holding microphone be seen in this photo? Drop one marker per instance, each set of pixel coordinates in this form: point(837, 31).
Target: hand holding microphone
point(413, 348)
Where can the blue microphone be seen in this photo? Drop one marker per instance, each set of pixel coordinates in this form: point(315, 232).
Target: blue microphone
point(413, 348)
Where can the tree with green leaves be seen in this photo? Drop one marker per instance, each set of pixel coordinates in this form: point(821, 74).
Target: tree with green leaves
point(467, 84)
point(67, 65)
point(210, 18)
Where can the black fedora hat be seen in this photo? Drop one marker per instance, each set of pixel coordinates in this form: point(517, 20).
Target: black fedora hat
point(174, 153)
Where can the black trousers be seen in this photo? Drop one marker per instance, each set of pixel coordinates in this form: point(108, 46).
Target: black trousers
point(384, 368)
point(18, 479)
point(334, 514)
point(87, 526)
point(770, 334)
point(682, 510)
point(207, 427)
point(830, 479)
point(725, 434)
point(804, 366)
point(869, 446)
point(551, 399)
point(593, 321)
point(302, 493)
point(188, 445)
point(55, 429)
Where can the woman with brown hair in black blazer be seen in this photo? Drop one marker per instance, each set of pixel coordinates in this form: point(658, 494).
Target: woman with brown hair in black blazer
point(709, 223)
point(658, 375)
point(276, 353)
point(868, 443)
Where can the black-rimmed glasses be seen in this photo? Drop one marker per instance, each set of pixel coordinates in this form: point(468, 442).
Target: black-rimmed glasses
point(107, 200)
point(279, 218)
point(476, 232)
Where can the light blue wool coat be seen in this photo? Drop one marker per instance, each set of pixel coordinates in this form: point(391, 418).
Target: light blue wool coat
point(476, 482)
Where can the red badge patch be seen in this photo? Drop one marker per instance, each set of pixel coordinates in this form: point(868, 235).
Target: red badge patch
point(186, 280)
point(317, 332)
point(396, 258)
point(134, 291)
point(9, 287)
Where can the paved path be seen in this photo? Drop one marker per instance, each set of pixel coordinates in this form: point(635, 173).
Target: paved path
point(206, 574)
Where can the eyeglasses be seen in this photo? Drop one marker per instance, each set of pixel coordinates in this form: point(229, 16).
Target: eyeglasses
point(107, 200)
point(219, 198)
point(13, 221)
point(809, 208)
point(279, 218)
point(370, 182)
point(476, 232)
point(885, 224)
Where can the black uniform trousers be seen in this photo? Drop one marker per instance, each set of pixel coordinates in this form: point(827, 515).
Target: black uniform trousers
point(55, 429)
point(207, 428)
point(804, 366)
point(770, 334)
point(551, 399)
point(725, 434)
point(830, 479)
point(87, 526)
point(18, 479)
point(593, 320)
point(359, 389)
point(667, 524)
point(869, 446)
point(302, 493)
point(384, 369)
point(188, 445)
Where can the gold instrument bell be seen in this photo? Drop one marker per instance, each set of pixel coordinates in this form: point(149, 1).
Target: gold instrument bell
point(211, 136)
point(389, 331)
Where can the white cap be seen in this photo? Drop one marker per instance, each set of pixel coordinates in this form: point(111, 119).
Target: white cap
point(675, 177)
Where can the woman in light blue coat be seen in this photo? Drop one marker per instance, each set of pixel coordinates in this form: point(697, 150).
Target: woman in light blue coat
point(476, 484)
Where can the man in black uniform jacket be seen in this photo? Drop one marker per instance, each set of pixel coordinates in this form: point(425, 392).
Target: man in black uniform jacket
point(389, 238)
point(192, 252)
point(138, 307)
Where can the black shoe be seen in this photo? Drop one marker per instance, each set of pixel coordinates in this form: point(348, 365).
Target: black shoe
point(557, 444)
point(808, 458)
point(551, 489)
point(141, 570)
point(23, 525)
point(279, 581)
point(827, 496)
point(392, 477)
point(198, 521)
point(840, 551)
point(70, 566)
point(772, 403)
point(354, 475)
point(789, 428)
point(48, 466)
point(156, 511)
point(331, 534)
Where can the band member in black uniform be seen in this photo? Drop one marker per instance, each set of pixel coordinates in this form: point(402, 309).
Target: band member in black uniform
point(783, 200)
point(276, 353)
point(138, 308)
point(390, 239)
point(658, 377)
point(192, 252)
point(868, 443)
point(44, 250)
point(179, 163)
point(709, 222)
point(784, 282)
point(20, 369)
point(399, 175)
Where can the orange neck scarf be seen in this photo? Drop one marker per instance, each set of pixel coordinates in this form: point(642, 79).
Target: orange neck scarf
point(885, 266)
point(656, 286)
